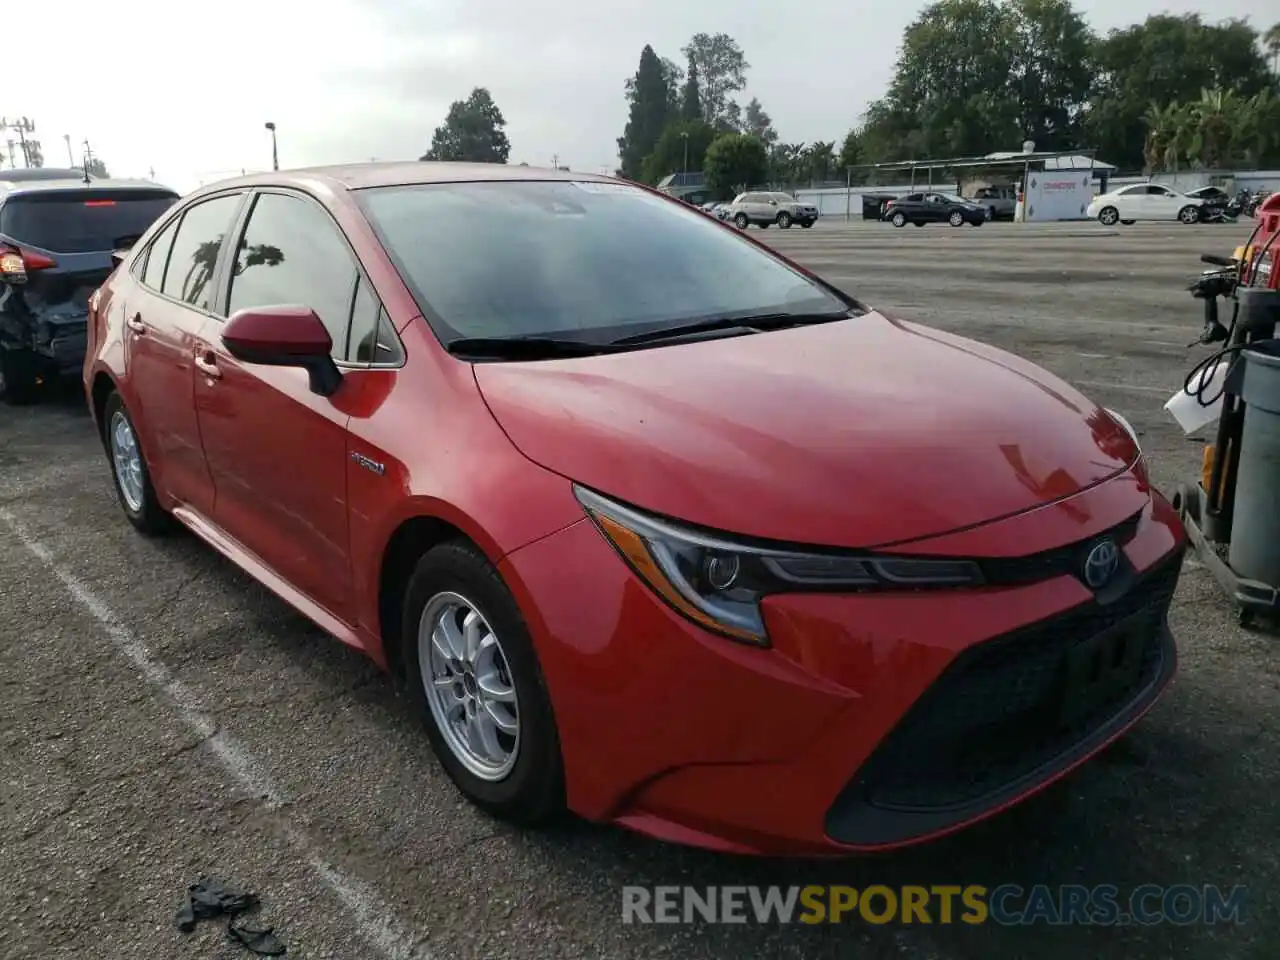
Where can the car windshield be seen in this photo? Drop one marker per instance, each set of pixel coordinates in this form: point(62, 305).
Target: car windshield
point(587, 260)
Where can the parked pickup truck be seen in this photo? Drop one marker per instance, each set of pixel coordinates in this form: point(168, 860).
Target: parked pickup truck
point(1001, 202)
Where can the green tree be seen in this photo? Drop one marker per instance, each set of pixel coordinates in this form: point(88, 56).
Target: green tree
point(1165, 59)
point(722, 70)
point(974, 76)
point(691, 99)
point(785, 161)
point(98, 169)
point(1271, 40)
point(668, 154)
point(759, 124)
point(649, 93)
point(734, 162)
point(851, 150)
point(473, 130)
point(817, 161)
point(1051, 74)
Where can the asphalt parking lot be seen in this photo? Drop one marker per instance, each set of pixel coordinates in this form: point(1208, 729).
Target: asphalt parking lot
point(162, 717)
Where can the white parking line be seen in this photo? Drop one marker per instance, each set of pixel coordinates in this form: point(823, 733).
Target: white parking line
point(375, 921)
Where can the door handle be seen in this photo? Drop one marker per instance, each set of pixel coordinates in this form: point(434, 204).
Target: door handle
point(135, 324)
point(206, 365)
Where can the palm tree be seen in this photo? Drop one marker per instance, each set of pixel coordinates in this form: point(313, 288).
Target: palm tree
point(1271, 40)
point(1214, 120)
point(1165, 136)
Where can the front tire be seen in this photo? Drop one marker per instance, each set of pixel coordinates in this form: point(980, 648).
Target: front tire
point(784, 221)
point(18, 378)
point(741, 220)
point(1189, 215)
point(129, 470)
point(475, 681)
point(1108, 216)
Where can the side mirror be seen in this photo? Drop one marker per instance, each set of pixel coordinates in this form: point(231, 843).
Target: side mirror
point(284, 336)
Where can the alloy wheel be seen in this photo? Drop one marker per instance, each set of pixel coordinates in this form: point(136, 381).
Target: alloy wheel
point(126, 459)
point(469, 687)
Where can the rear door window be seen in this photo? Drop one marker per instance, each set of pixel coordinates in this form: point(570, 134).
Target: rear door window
point(82, 221)
point(189, 277)
point(158, 257)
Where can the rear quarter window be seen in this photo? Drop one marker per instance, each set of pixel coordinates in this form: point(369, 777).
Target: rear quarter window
point(82, 221)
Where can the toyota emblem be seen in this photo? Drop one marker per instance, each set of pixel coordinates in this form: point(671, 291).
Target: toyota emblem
point(1101, 564)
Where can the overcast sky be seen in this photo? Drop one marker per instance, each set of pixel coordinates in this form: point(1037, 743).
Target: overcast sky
point(186, 91)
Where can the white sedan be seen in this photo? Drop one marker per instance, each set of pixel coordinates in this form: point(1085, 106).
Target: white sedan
point(1144, 201)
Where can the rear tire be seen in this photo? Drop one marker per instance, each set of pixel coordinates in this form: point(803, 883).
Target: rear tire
point(741, 221)
point(18, 377)
point(129, 471)
point(521, 776)
point(956, 219)
point(899, 219)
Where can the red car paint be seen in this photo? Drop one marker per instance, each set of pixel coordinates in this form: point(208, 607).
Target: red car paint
point(867, 433)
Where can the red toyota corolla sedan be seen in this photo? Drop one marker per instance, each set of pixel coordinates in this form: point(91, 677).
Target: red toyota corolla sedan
point(649, 522)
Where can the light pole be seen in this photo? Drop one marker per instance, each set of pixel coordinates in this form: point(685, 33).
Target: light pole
point(684, 168)
point(71, 160)
point(275, 156)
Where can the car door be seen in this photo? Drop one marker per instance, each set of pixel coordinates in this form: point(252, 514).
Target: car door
point(936, 208)
point(165, 313)
point(1131, 202)
point(1164, 204)
point(278, 452)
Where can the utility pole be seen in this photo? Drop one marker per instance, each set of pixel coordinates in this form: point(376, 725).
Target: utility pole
point(275, 156)
point(71, 160)
point(22, 126)
point(88, 153)
point(555, 161)
point(12, 143)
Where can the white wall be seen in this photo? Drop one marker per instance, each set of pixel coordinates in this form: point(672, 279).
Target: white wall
point(1182, 182)
point(1056, 195)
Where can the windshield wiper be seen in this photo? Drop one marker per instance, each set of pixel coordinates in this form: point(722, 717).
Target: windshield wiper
point(521, 348)
point(757, 321)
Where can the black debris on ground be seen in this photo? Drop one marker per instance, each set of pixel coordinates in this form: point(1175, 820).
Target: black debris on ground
point(210, 899)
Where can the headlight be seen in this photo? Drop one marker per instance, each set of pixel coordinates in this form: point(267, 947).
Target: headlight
point(718, 582)
point(1128, 427)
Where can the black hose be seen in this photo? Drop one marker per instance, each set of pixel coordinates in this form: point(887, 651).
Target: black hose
point(1204, 371)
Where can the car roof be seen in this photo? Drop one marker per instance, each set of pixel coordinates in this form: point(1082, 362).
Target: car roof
point(10, 188)
point(361, 176)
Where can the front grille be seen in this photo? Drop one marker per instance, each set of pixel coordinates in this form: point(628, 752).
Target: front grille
point(995, 715)
point(1057, 562)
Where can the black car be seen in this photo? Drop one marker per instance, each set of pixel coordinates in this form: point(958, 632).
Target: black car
point(56, 241)
point(922, 208)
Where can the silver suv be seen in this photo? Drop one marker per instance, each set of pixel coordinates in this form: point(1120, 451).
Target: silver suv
point(764, 209)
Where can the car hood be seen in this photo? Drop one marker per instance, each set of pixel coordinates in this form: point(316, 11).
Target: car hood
point(864, 432)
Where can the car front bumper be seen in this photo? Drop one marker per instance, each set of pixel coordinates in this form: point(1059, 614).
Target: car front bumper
point(873, 721)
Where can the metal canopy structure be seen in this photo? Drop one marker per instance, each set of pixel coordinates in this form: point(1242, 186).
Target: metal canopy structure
point(1056, 160)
